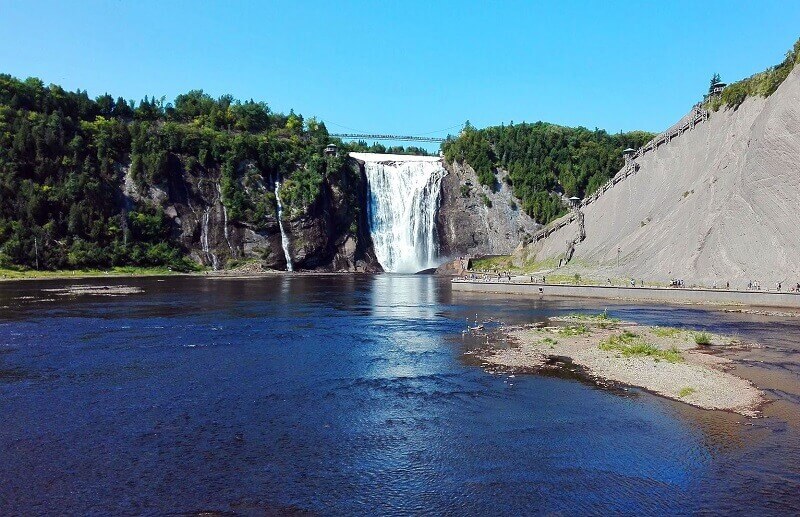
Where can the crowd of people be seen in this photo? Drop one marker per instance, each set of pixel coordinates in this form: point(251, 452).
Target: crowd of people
point(756, 286)
point(489, 276)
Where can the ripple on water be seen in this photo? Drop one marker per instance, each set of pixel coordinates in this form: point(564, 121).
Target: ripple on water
point(352, 395)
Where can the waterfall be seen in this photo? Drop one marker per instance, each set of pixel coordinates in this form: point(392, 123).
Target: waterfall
point(284, 237)
point(403, 200)
point(204, 239)
point(225, 220)
point(204, 232)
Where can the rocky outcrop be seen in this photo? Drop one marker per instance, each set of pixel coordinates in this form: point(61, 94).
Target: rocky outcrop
point(455, 267)
point(329, 235)
point(332, 236)
point(474, 220)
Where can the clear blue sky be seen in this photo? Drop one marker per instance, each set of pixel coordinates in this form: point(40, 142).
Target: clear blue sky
point(406, 67)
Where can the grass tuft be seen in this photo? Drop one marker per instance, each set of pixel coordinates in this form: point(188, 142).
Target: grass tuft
point(602, 320)
point(686, 391)
point(548, 341)
point(631, 345)
point(573, 330)
point(666, 331)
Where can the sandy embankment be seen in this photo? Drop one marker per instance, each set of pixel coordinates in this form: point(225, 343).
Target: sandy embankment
point(673, 365)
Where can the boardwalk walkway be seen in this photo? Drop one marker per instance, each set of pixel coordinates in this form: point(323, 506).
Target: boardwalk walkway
point(697, 115)
point(734, 297)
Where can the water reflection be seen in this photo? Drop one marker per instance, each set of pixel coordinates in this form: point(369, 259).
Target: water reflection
point(404, 297)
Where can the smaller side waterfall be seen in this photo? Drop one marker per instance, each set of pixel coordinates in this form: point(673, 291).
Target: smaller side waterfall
point(204, 239)
point(284, 237)
point(225, 221)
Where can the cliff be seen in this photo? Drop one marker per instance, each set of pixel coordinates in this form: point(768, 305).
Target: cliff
point(330, 234)
point(474, 220)
point(717, 204)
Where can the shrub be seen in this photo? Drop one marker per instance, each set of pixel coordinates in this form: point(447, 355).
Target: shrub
point(702, 338)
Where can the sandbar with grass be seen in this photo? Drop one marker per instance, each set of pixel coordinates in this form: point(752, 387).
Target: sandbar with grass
point(671, 362)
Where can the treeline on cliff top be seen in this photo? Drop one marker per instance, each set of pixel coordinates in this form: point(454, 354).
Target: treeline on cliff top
point(63, 156)
point(543, 161)
point(762, 84)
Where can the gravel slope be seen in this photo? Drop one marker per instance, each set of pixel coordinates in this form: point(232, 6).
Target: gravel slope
point(716, 204)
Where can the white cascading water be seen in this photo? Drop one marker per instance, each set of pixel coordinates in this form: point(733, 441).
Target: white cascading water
point(284, 237)
point(204, 239)
point(225, 220)
point(403, 200)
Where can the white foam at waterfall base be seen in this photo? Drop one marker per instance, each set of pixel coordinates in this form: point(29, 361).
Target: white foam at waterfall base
point(403, 200)
point(284, 237)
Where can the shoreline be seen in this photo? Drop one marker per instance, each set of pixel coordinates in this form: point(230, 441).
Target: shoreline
point(220, 274)
point(683, 295)
point(660, 360)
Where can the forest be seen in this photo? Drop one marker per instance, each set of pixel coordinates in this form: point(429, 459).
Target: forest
point(544, 161)
point(63, 156)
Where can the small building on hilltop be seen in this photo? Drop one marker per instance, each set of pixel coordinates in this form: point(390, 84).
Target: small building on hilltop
point(716, 89)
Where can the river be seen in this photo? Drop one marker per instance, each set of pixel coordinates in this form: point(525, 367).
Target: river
point(353, 395)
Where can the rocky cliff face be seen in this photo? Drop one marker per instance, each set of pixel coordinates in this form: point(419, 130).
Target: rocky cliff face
point(329, 235)
point(473, 220)
point(717, 204)
point(332, 233)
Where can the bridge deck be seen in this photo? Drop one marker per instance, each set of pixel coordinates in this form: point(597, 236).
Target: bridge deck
point(402, 138)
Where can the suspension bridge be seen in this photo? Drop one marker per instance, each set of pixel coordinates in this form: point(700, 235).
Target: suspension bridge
point(400, 138)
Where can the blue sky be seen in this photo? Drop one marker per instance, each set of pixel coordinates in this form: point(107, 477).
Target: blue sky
point(406, 67)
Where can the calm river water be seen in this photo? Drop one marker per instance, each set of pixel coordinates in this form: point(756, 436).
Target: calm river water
point(353, 395)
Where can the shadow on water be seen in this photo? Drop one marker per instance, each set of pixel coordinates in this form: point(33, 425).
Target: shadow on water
point(354, 395)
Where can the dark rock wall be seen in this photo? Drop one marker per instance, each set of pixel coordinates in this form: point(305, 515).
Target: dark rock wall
point(328, 236)
point(466, 223)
